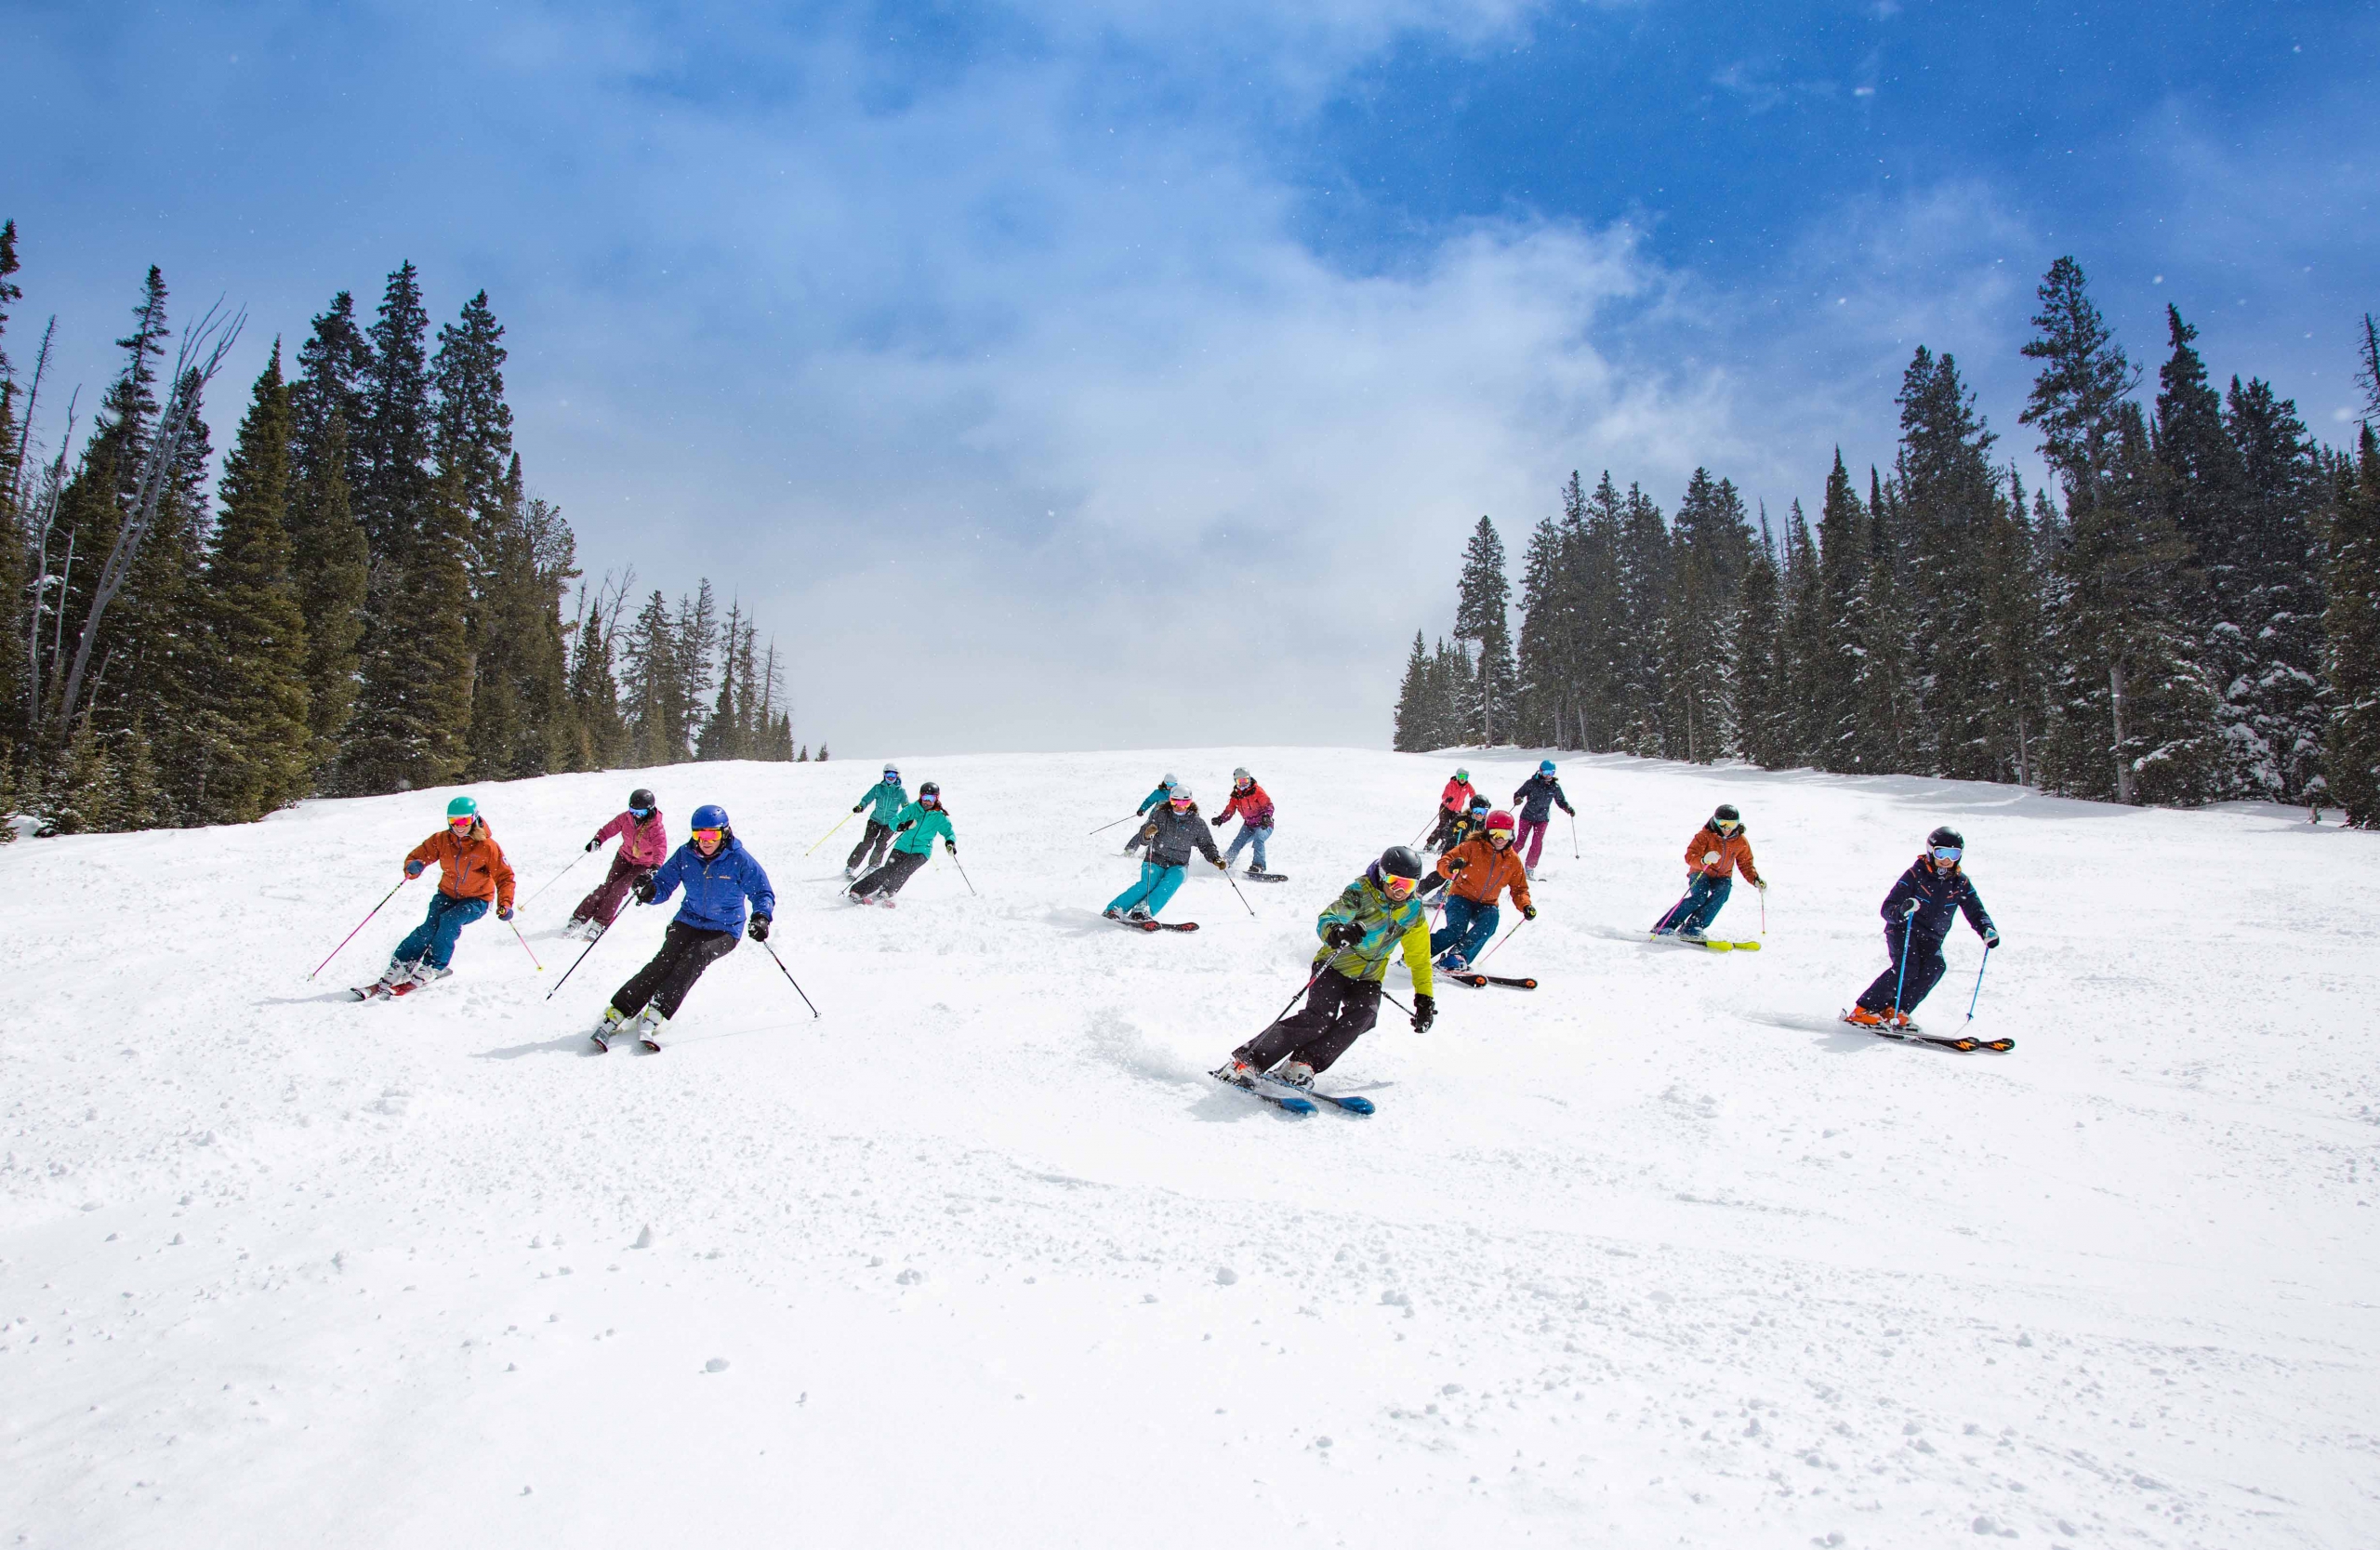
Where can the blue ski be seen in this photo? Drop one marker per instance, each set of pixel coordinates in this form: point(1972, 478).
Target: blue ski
point(1297, 1104)
point(1352, 1105)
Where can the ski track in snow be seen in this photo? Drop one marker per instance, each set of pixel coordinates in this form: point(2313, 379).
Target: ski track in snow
point(1659, 1254)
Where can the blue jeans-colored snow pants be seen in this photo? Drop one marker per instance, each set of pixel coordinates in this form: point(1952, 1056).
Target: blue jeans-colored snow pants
point(1704, 894)
point(1157, 886)
point(1242, 839)
point(1467, 929)
point(434, 938)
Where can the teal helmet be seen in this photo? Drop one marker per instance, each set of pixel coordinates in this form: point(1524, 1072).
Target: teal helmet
point(462, 807)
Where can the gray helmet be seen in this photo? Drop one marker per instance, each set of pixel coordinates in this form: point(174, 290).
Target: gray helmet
point(1239, 775)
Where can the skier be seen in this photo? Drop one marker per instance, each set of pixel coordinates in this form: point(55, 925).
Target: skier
point(719, 875)
point(1917, 916)
point(914, 826)
point(1377, 913)
point(1140, 836)
point(1537, 798)
point(644, 844)
point(1254, 810)
point(1472, 823)
point(1453, 803)
point(1172, 831)
point(472, 874)
point(883, 802)
point(1712, 856)
point(1478, 870)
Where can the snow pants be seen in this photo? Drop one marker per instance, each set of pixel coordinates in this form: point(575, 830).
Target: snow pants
point(433, 941)
point(603, 902)
point(1468, 927)
point(1531, 837)
point(1240, 841)
point(1338, 1010)
point(1925, 969)
point(1446, 815)
point(1152, 893)
point(888, 879)
point(871, 846)
point(1704, 894)
point(686, 952)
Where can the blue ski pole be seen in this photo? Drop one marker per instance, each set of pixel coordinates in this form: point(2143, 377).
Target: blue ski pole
point(1907, 935)
point(1978, 981)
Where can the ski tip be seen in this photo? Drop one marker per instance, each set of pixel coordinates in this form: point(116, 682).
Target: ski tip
point(1358, 1105)
point(1529, 984)
point(1298, 1105)
point(1747, 946)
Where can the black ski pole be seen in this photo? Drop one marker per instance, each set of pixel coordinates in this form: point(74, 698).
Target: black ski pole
point(551, 880)
point(962, 875)
point(1302, 991)
point(1235, 888)
point(790, 980)
point(359, 926)
point(576, 962)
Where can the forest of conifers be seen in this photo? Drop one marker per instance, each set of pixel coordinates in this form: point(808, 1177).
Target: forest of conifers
point(368, 600)
point(2192, 614)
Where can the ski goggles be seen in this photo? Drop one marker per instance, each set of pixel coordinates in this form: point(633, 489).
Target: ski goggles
point(891, 777)
point(1503, 834)
point(1399, 887)
point(1179, 803)
point(710, 834)
point(930, 799)
point(641, 812)
point(1727, 826)
point(459, 824)
point(1948, 854)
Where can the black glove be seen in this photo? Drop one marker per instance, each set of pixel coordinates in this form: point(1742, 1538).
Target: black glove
point(642, 888)
point(903, 828)
point(757, 928)
point(856, 809)
point(504, 914)
point(951, 846)
point(1425, 1012)
point(1529, 912)
point(1345, 933)
point(592, 843)
point(1457, 865)
point(1991, 937)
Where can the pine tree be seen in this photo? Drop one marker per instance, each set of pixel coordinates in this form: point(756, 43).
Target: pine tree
point(1763, 708)
point(391, 443)
point(413, 717)
point(1845, 553)
point(331, 566)
point(1541, 664)
point(1711, 554)
point(2351, 760)
point(14, 571)
point(2275, 586)
point(1947, 500)
point(2084, 378)
point(1481, 618)
point(1413, 711)
point(604, 740)
point(655, 694)
point(2202, 481)
point(1807, 645)
point(1645, 565)
point(1883, 711)
point(1597, 644)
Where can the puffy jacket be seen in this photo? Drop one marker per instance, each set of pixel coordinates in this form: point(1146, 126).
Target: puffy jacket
point(1252, 807)
point(471, 868)
point(1153, 798)
point(646, 843)
point(715, 888)
point(1457, 796)
point(1734, 850)
point(1386, 925)
point(1470, 826)
point(1479, 871)
point(918, 825)
point(1936, 891)
point(884, 801)
point(1177, 834)
point(1538, 796)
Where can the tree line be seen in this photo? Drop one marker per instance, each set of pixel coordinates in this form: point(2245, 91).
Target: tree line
point(2192, 614)
point(367, 599)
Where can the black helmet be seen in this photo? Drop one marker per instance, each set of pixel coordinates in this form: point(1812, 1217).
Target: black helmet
point(1946, 835)
point(929, 789)
point(642, 799)
point(1400, 861)
point(1727, 814)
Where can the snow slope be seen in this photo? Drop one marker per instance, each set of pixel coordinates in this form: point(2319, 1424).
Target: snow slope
point(1657, 1254)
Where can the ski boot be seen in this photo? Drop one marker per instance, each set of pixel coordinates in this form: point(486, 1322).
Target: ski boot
point(1236, 1071)
point(1898, 1021)
point(1455, 964)
point(1113, 913)
point(1139, 914)
point(649, 1027)
point(614, 1020)
point(1687, 934)
point(1297, 1074)
point(1860, 1017)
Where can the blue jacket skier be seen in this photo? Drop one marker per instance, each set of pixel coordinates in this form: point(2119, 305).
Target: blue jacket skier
point(718, 876)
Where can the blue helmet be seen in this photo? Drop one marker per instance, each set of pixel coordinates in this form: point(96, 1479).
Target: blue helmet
point(1545, 767)
point(709, 815)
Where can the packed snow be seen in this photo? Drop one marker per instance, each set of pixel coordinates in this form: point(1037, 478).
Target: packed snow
point(1660, 1254)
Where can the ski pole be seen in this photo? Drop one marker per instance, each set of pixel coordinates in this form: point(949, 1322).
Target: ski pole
point(790, 980)
point(524, 944)
point(1235, 888)
point(1302, 991)
point(551, 880)
point(1574, 836)
point(829, 834)
point(1105, 828)
point(1907, 942)
point(359, 926)
point(1978, 982)
point(962, 877)
point(576, 962)
point(1501, 941)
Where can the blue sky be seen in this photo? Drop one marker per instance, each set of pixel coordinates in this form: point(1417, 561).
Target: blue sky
point(1128, 373)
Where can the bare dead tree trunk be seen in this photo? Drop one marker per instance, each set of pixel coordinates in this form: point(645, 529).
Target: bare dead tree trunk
point(2118, 702)
point(53, 489)
point(199, 357)
point(25, 432)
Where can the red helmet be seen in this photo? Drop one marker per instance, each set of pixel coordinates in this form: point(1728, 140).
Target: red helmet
point(1499, 822)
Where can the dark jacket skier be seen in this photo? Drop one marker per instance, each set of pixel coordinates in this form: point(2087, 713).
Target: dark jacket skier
point(1917, 917)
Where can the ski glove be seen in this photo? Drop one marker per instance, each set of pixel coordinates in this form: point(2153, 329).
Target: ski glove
point(1990, 937)
point(1529, 912)
point(504, 914)
point(1346, 933)
point(1457, 865)
point(592, 843)
point(642, 888)
point(1761, 884)
point(1425, 1012)
point(413, 869)
point(1710, 858)
point(950, 847)
point(757, 928)
point(904, 828)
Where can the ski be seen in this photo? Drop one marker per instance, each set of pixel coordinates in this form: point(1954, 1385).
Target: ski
point(1282, 1100)
point(366, 992)
point(1709, 944)
point(1352, 1105)
point(1911, 1034)
point(1155, 925)
point(1265, 877)
point(1477, 981)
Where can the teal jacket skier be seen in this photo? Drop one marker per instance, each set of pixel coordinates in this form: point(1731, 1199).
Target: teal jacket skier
point(917, 827)
point(882, 804)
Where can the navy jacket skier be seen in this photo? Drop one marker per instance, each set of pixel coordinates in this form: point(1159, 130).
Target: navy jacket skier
point(1917, 917)
point(1537, 798)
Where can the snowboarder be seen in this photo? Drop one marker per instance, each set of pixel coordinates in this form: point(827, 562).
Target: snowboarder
point(883, 802)
point(915, 828)
point(472, 874)
point(1254, 810)
point(1377, 914)
point(644, 844)
point(1478, 870)
point(1472, 823)
point(719, 875)
point(1453, 803)
point(1917, 917)
point(1537, 798)
point(1140, 836)
point(1172, 834)
point(1713, 856)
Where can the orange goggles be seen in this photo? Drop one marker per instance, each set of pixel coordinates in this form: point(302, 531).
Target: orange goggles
point(710, 834)
point(464, 822)
point(1400, 887)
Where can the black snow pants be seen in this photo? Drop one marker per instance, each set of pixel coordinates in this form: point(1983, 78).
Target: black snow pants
point(871, 845)
point(1338, 1010)
point(887, 880)
point(1925, 969)
point(686, 952)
